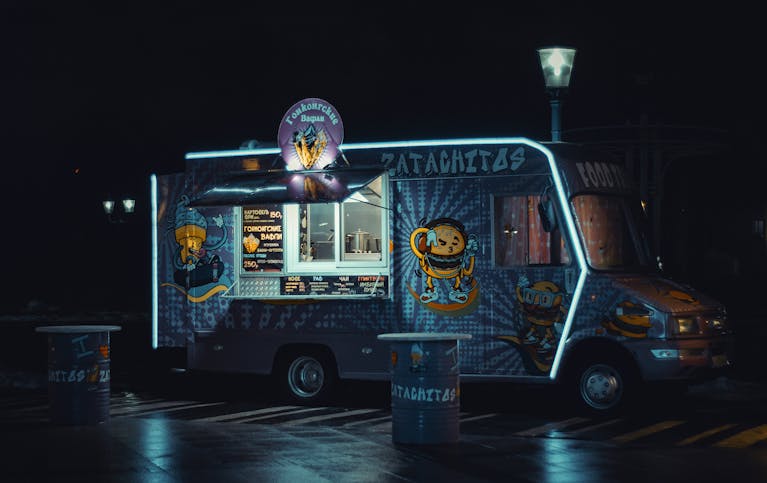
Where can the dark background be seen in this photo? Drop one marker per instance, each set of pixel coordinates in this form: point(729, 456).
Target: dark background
point(97, 97)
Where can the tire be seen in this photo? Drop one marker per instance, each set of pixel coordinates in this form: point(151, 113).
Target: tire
point(306, 376)
point(603, 386)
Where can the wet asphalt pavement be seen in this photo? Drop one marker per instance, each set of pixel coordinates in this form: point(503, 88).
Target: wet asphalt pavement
point(159, 448)
point(162, 448)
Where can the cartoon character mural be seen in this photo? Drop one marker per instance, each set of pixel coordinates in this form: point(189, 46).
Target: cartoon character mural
point(445, 252)
point(197, 272)
point(631, 320)
point(543, 314)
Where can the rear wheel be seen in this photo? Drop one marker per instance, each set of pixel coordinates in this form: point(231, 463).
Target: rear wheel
point(306, 376)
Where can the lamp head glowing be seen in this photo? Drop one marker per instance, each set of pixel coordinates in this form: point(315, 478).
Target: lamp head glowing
point(109, 206)
point(557, 65)
point(129, 205)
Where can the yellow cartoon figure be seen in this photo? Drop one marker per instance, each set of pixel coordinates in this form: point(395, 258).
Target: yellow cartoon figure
point(190, 239)
point(631, 320)
point(194, 264)
point(542, 305)
point(445, 252)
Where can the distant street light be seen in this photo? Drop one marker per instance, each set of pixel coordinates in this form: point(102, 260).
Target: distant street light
point(557, 65)
point(118, 215)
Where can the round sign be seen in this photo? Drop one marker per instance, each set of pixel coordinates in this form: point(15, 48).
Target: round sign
point(309, 135)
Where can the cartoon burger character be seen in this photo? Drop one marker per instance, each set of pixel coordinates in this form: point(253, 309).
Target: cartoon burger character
point(445, 252)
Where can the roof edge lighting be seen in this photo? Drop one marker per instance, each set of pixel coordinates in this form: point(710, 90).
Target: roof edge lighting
point(370, 145)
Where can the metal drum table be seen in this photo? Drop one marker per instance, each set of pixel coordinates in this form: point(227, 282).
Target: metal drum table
point(78, 373)
point(425, 387)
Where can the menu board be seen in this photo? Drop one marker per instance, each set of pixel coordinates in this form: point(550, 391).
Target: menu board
point(262, 246)
point(335, 285)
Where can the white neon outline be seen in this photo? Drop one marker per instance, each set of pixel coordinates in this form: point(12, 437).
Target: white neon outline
point(155, 270)
point(579, 256)
point(564, 204)
point(372, 145)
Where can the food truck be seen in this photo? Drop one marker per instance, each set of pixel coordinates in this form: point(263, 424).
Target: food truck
point(291, 260)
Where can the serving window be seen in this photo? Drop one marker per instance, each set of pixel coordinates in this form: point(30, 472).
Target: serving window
point(336, 249)
point(347, 233)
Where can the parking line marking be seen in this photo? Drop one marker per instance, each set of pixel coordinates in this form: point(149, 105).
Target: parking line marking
point(145, 407)
point(326, 417)
point(386, 419)
point(652, 429)
point(704, 434)
point(243, 414)
point(744, 438)
point(133, 404)
point(481, 416)
point(550, 427)
point(287, 413)
point(590, 428)
point(177, 408)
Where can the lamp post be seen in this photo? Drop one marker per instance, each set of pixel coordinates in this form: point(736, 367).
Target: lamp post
point(118, 213)
point(557, 65)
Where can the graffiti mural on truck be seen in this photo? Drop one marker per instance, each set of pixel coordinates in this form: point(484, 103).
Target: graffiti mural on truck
point(198, 272)
point(445, 253)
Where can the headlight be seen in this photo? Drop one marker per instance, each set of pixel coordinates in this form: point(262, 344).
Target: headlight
point(685, 326)
point(716, 324)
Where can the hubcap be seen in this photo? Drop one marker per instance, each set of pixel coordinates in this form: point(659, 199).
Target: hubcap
point(601, 386)
point(306, 377)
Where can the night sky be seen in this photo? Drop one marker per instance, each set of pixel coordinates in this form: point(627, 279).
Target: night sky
point(95, 99)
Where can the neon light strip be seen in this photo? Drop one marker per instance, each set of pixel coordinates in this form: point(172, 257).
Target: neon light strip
point(233, 152)
point(579, 256)
point(155, 271)
point(566, 213)
point(378, 145)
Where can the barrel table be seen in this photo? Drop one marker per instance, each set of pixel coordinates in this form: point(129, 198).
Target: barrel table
point(78, 373)
point(425, 387)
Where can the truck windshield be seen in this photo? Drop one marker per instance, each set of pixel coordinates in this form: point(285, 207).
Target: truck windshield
point(613, 232)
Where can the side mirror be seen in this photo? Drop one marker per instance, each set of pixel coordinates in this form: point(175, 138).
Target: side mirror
point(546, 214)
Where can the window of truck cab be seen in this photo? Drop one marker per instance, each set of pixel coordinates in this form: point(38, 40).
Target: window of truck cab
point(351, 234)
point(613, 231)
point(519, 238)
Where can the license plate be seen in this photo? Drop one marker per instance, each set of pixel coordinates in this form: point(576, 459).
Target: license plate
point(719, 360)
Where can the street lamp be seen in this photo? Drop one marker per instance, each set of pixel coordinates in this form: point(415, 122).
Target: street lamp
point(557, 65)
point(117, 214)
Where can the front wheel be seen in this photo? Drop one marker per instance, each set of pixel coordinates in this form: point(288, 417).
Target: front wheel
point(306, 377)
point(603, 387)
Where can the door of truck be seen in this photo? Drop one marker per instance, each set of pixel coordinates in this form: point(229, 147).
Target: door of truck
point(529, 275)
